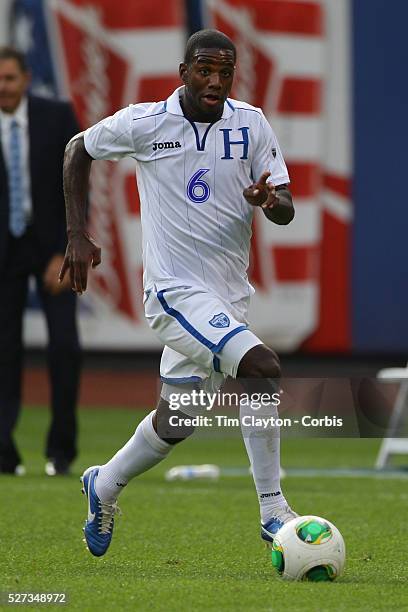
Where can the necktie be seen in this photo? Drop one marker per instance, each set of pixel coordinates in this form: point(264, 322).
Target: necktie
point(17, 223)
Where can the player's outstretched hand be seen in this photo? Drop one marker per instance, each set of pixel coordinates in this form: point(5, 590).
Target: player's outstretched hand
point(261, 193)
point(81, 252)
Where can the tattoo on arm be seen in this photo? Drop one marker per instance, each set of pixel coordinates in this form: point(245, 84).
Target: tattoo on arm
point(77, 167)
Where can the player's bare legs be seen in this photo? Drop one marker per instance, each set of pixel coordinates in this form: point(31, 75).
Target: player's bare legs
point(259, 370)
point(161, 423)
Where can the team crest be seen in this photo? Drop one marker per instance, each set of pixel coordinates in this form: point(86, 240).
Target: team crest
point(220, 320)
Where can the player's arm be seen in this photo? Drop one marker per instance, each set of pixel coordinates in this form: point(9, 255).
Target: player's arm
point(111, 138)
point(276, 202)
point(81, 251)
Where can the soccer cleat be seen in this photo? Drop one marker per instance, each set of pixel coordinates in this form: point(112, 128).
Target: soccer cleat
point(269, 529)
point(99, 524)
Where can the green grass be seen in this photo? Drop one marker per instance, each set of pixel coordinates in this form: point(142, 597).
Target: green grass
point(195, 545)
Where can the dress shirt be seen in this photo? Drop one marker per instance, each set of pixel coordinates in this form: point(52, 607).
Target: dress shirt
point(20, 115)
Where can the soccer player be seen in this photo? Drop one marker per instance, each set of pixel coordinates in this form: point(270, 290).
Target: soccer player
point(203, 162)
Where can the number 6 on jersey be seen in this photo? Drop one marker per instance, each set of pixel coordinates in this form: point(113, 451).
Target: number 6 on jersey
point(198, 190)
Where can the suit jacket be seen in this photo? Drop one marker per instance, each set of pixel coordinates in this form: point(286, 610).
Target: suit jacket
point(51, 125)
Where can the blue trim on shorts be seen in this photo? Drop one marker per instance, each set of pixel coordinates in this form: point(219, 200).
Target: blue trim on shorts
point(216, 364)
point(184, 323)
point(228, 336)
point(214, 348)
point(180, 381)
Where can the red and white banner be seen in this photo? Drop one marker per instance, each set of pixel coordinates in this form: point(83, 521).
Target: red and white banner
point(110, 55)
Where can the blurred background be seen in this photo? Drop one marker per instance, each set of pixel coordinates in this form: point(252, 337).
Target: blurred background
point(331, 288)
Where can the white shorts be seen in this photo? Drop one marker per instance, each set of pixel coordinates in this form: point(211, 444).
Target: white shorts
point(203, 336)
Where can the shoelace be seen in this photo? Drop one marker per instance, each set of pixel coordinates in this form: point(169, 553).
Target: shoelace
point(108, 511)
point(285, 515)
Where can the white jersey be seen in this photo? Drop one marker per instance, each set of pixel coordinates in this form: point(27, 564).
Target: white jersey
point(196, 224)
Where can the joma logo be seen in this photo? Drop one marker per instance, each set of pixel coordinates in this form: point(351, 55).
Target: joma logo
point(166, 145)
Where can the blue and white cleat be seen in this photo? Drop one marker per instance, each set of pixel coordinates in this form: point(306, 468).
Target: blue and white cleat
point(270, 528)
point(99, 524)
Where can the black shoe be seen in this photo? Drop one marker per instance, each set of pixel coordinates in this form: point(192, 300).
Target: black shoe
point(57, 467)
point(15, 470)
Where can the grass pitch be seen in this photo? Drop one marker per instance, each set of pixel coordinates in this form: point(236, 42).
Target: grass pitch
point(195, 545)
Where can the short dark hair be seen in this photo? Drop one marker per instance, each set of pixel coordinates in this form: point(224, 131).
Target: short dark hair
point(207, 39)
point(7, 53)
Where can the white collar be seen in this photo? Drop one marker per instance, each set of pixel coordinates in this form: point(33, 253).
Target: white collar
point(172, 105)
point(20, 114)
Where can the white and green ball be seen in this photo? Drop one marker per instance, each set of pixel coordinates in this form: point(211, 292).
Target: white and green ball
point(308, 548)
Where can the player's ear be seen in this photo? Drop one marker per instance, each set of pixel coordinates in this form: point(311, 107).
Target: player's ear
point(183, 72)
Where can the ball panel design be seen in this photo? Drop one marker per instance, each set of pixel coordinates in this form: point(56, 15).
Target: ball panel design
point(320, 573)
point(295, 559)
point(278, 560)
point(314, 531)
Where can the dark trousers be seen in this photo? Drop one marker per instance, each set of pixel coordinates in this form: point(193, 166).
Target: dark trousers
point(64, 358)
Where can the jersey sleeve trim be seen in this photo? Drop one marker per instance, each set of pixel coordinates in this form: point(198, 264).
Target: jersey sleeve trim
point(88, 146)
point(115, 136)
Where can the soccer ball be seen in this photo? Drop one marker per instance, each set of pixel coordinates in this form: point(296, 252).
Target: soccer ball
point(308, 548)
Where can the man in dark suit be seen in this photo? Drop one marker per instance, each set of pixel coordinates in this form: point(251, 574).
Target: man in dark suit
point(34, 132)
